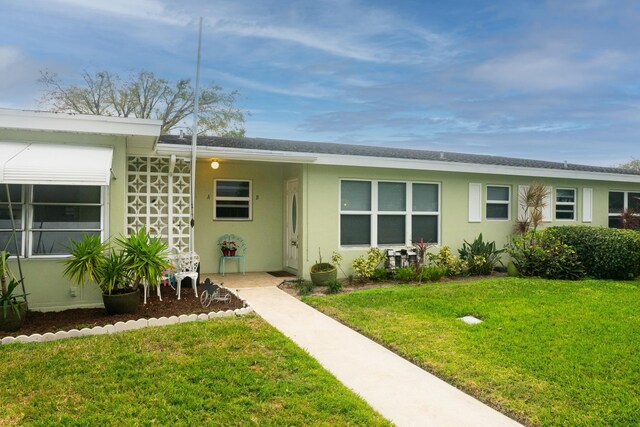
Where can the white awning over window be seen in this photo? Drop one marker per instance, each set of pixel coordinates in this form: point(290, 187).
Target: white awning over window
point(60, 164)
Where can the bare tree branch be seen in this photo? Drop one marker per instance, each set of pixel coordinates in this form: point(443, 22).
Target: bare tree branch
point(146, 96)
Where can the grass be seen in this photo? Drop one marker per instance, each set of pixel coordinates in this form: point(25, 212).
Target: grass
point(547, 353)
point(223, 372)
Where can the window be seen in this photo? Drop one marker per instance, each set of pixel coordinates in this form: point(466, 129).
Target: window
point(498, 202)
point(6, 229)
point(232, 200)
point(618, 202)
point(565, 204)
point(388, 213)
point(48, 217)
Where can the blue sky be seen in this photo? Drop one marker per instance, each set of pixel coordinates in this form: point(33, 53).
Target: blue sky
point(557, 80)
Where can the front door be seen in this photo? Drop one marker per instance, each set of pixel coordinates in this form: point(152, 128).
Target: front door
point(293, 224)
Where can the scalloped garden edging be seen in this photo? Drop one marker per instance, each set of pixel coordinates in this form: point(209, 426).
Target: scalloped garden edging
point(130, 325)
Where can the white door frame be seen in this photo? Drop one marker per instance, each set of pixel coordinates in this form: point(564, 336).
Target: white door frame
point(292, 228)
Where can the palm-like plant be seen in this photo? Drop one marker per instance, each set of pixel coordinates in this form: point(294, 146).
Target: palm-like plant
point(146, 257)
point(87, 255)
point(8, 284)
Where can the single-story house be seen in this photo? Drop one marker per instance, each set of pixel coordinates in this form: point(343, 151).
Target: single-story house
point(289, 200)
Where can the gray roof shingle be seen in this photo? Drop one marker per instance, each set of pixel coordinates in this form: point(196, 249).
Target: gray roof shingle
point(371, 151)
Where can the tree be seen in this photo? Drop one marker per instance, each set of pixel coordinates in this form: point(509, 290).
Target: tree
point(633, 164)
point(148, 97)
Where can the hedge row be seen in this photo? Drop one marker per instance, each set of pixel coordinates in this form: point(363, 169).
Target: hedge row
point(605, 253)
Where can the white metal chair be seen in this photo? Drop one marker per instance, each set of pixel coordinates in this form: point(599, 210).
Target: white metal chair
point(187, 264)
point(145, 286)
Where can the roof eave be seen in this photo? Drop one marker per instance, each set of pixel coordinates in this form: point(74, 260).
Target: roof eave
point(392, 163)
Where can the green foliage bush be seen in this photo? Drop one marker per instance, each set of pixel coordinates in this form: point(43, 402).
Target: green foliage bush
point(406, 274)
point(605, 253)
point(380, 274)
point(303, 287)
point(364, 267)
point(333, 287)
point(432, 273)
point(541, 254)
point(481, 257)
point(445, 259)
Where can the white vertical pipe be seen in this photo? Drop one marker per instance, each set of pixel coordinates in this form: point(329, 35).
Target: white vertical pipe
point(194, 143)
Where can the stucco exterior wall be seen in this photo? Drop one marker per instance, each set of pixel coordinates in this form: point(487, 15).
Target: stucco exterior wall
point(47, 288)
point(263, 234)
point(322, 188)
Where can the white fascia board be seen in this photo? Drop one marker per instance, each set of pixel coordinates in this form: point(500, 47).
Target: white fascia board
point(392, 163)
point(238, 154)
point(78, 123)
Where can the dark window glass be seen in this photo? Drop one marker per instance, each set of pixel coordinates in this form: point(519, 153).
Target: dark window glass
point(498, 193)
point(232, 189)
point(616, 201)
point(232, 209)
point(355, 196)
point(615, 222)
point(391, 229)
point(54, 242)
point(633, 201)
point(5, 217)
point(355, 230)
point(425, 197)
point(5, 236)
point(66, 194)
point(66, 217)
point(392, 196)
point(15, 191)
point(424, 227)
point(564, 195)
point(497, 211)
point(565, 211)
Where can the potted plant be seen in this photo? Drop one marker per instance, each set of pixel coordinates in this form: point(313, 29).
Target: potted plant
point(228, 247)
point(13, 309)
point(323, 273)
point(119, 273)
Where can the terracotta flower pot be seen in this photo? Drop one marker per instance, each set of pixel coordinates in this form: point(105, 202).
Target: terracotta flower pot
point(225, 252)
point(232, 252)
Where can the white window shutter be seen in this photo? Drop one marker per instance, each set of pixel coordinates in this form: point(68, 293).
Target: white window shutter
point(475, 202)
point(587, 204)
point(547, 212)
point(522, 189)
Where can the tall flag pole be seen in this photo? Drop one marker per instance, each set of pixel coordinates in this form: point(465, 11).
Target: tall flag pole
point(194, 143)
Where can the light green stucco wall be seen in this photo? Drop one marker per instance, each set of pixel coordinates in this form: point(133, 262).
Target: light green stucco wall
point(47, 288)
point(321, 208)
point(262, 235)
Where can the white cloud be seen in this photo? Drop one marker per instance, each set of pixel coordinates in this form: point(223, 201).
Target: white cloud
point(549, 69)
point(149, 10)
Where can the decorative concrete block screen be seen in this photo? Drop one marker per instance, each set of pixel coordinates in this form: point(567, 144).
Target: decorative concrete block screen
point(158, 198)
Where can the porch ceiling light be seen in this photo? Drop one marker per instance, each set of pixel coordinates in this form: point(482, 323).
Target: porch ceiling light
point(215, 164)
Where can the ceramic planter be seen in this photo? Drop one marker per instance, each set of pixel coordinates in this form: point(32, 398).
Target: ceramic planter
point(321, 278)
point(122, 303)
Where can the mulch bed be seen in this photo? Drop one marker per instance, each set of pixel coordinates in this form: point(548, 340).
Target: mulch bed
point(38, 322)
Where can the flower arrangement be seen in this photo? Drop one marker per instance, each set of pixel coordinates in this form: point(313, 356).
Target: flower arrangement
point(228, 247)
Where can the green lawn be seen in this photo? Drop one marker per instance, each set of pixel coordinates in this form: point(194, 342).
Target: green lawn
point(547, 353)
point(237, 371)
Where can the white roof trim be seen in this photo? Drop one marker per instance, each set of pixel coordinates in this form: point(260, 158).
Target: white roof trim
point(393, 163)
point(61, 164)
point(78, 123)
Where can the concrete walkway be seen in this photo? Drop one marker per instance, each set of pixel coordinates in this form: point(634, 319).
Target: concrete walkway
point(399, 390)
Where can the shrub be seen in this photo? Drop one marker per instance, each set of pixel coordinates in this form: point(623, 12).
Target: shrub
point(539, 253)
point(481, 257)
point(605, 253)
point(380, 274)
point(364, 267)
point(444, 258)
point(406, 274)
point(333, 287)
point(432, 273)
point(303, 287)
